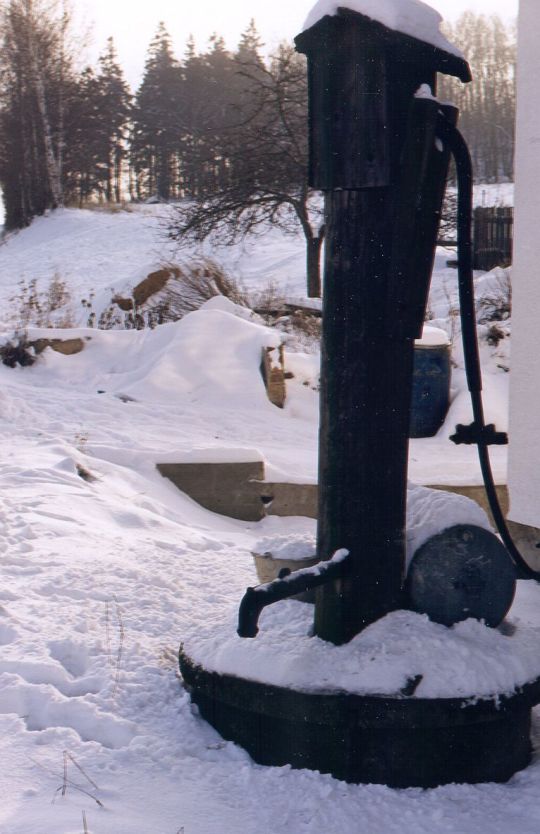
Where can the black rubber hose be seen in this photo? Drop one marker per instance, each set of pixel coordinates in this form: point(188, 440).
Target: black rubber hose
point(458, 147)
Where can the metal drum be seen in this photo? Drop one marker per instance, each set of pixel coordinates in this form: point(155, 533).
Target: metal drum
point(431, 384)
point(464, 571)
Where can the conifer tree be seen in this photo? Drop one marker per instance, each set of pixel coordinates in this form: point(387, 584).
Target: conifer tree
point(191, 135)
point(156, 121)
point(114, 112)
point(249, 46)
point(85, 138)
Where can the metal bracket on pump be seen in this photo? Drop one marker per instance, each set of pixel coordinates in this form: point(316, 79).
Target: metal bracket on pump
point(474, 434)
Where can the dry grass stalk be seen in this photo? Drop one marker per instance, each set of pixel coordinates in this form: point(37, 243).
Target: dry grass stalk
point(81, 769)
point(120, 649)
point(47, 307)
point(67, 782)
point(64, 785)
point(108, 632)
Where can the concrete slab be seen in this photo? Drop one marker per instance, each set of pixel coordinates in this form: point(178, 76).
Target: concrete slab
point(232, 489)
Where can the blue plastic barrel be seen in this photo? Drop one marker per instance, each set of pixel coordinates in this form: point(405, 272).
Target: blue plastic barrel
point(431, 386)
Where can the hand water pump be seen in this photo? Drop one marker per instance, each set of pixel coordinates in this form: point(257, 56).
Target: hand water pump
point(380, 147)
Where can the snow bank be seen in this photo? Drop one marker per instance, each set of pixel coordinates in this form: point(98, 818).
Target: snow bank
point(411, 17)
point(98, 254)
point(211, 357)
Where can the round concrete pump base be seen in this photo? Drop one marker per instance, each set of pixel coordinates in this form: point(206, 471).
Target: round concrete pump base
point(399, 741)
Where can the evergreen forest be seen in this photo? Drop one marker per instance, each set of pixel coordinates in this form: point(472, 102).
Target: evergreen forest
point(218, 128)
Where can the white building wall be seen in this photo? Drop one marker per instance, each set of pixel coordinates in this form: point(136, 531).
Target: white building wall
point(524, 428)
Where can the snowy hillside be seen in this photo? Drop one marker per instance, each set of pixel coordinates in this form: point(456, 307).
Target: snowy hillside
point(106, 567)
point(97, 254)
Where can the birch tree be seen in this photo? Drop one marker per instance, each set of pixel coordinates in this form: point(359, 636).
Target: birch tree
point(36, 80)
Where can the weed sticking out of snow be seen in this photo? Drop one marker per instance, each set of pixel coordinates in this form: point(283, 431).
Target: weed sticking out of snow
point(494, 296)
point(89, 789)
point(42, 306)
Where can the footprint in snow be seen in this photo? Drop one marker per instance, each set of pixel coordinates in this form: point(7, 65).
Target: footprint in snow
point(7, 633)
point(71, 655)
point(42, 707)
point(52, 675)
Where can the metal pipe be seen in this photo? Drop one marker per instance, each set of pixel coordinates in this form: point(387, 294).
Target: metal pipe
point(256, 599)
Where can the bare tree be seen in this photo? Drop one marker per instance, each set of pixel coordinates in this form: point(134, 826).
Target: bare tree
point(487, 105)
point(264, 157)
point(36, 79)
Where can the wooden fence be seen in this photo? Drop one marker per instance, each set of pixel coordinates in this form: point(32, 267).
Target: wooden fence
point(493, 235)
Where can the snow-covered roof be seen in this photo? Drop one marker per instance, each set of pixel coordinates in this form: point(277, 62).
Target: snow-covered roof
point(410, 17)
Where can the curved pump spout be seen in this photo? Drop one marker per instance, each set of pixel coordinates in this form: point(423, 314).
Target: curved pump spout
point(256, 599)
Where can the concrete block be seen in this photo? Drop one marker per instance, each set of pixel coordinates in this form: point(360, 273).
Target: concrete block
point(232, 489)
point(291, 499)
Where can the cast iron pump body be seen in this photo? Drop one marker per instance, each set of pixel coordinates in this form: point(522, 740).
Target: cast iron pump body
point(380, 145)
point(374, 154)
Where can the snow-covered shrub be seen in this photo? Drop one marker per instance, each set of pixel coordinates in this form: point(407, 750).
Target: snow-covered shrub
point(494, 293)
point(302, 331)
point(495, 333)
point(301, 326)
point(18, 351)
point(169, 293)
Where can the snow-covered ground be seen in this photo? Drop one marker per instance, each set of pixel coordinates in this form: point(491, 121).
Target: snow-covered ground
point(106, 567)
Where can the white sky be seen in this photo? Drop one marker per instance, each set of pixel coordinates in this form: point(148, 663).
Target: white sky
point(132, 23)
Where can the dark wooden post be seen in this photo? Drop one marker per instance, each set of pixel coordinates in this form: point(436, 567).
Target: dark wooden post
point(373, 153)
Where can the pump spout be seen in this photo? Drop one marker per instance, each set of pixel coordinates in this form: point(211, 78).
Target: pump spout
point(256, 599)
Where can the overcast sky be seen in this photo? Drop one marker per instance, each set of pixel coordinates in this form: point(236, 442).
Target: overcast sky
point(132, 23)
